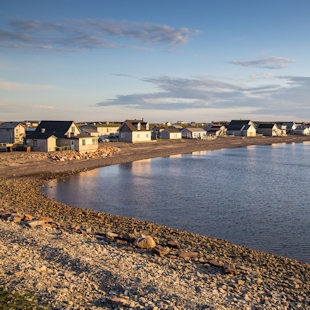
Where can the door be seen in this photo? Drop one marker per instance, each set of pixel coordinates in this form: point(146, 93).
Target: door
point(72, 144)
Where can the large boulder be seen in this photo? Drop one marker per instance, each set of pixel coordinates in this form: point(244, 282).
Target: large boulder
point(145, 242)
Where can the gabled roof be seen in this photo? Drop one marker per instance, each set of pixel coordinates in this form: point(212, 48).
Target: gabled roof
point(172, 130)
point(236, 127)
point(239, 122)
point(131, 124)
point(57, 128)
point(195, 129)
point(9, 125)
point(39, 136)
point(262, 126)
point(90, 130)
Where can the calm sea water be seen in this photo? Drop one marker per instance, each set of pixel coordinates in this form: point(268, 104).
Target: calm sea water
point(256, 196)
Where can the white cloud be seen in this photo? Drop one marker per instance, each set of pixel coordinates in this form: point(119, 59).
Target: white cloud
point(69, 35)
point(179, 94)
point(267, 63)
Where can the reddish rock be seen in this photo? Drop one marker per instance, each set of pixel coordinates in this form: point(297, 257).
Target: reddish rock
point(15, 218)
point(46, 219)
point(35, 223)
point(229, 268)
point(173, 244)
point(161, 251)
point(188, 254)
point(215, 263)
point(27, 217)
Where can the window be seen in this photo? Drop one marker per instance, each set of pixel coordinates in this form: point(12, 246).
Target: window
point(94, 141)
point(138, 136)
point(72, 129)
point(35, 142)
point(122, 135)
point(83, 142)
point(147, 135)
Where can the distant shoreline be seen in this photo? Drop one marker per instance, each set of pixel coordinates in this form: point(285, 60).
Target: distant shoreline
point(42, 169)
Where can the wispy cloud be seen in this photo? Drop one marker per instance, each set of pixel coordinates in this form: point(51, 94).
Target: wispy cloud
point(11, 86)
point(266, 63)
point(68, 35)
point(45, 107)
point(176, 94)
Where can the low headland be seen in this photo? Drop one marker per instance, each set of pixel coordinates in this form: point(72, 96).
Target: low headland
point(74, 258)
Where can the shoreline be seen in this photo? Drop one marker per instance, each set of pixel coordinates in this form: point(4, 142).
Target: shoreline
point(290, 279)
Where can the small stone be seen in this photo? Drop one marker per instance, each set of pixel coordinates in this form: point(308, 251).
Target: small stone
point(188, 254)
point(161, 251)
point(46, 219)
point(215, 263)
point(173, 244)
point(229, 268)
point(35, 223)
point(27, 217)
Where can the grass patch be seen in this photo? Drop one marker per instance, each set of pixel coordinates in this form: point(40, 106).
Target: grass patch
point(13, 301)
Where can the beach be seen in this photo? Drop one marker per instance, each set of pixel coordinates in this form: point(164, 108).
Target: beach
point(82, 259)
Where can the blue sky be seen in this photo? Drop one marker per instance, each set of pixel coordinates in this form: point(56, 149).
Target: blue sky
point(163, 60)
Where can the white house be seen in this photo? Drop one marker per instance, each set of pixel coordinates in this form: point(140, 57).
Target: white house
point(54, 135)
point(12, 132)
point(269, 129)
point(302, 130)
point(171, 133)
point(193, 133)
point(241, 128)
point(135, 131)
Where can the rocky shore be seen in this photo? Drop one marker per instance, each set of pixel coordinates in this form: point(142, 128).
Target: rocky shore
point(74, 258)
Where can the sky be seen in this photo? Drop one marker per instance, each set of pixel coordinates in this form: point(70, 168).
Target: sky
point(161, 60)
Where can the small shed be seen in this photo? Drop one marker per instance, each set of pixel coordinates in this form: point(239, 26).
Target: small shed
point(171, 133)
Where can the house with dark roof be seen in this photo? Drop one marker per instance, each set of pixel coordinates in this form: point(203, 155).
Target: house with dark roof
point(12, 132)
point(216, 130)
point(241, 128)
point(269, 129)
point(60, 135)
point(134, 131)
point(302, 130)
point(171, 133)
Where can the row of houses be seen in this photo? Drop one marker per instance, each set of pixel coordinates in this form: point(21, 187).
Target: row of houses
point(62, 135)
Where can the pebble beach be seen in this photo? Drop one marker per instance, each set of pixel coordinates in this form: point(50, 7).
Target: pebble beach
point(74, 258)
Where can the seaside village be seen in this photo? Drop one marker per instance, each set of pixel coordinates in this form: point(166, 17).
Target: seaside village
point(52, 136)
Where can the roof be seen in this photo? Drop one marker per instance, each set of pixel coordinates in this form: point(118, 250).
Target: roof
point(57, 128)
point(236, 127)
point(262, 126)
point(107, 125)
point(240, 121)
point(90, 130)
point(246, 127)
point(39, 136)
point(195, 129)
point(172, 130)
point(131, 125)
point(9, 125)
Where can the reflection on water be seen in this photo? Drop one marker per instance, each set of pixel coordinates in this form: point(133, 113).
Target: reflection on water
point(255, 196)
